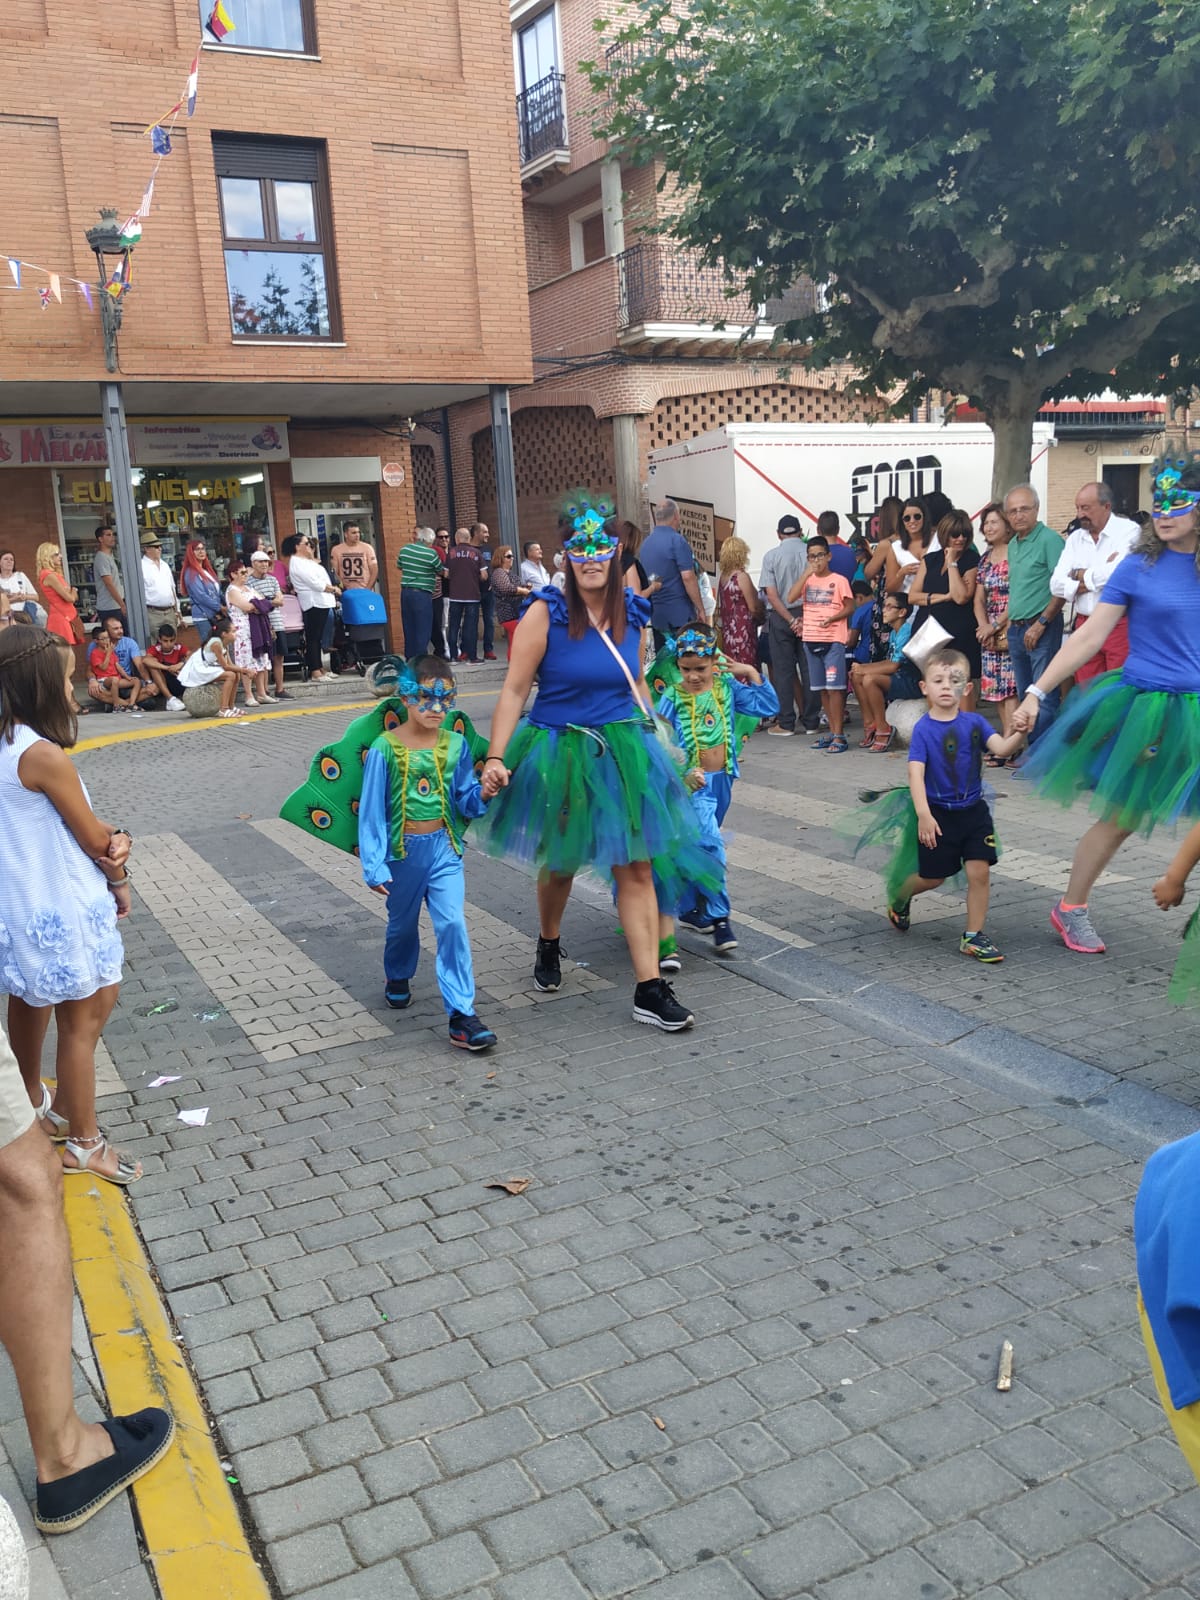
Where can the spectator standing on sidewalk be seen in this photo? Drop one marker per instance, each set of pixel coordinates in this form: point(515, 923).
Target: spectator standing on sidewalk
point(1034, 614)
point(437, 634)
point(464, 586)
point(80, 1466)
point(1099, 540)
point(481, 538)
point(106, 577)
point(667, 556)
point(198, 581)
point(781, 570)
point(421, 572)
point(158, 581)
point(262, 580)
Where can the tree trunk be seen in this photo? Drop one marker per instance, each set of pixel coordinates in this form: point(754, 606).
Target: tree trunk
point(1012, 427)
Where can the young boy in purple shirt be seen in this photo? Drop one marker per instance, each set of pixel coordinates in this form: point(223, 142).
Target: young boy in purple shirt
point(954, 826)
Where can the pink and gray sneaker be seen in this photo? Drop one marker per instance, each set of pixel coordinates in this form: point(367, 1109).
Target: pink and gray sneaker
point(1075, 927)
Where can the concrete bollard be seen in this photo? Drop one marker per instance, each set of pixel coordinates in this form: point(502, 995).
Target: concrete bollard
point(14, 1563)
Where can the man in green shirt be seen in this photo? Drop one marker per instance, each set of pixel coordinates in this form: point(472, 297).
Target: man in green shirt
point(420, 568)
point(1034, 614)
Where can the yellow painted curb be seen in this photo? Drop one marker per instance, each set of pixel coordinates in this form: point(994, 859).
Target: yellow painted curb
point(191, 1525)
point(203, 724)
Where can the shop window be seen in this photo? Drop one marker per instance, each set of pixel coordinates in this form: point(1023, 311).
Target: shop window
point(277, 231)
point(269, 24)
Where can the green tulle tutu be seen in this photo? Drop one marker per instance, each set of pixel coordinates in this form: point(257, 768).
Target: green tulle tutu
point(1135, 751)
point(888, 821)
point(595, 798)
point(1184, 987)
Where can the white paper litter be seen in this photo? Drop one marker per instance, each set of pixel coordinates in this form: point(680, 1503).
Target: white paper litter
point(195, 1119)
point(157, 1083)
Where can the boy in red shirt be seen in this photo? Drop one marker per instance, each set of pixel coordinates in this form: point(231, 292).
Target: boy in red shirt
point(107, 677)
point(163, 661)
point(828, 603)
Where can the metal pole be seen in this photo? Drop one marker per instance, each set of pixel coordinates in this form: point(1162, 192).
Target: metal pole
point(506, 481)
point(116, 438)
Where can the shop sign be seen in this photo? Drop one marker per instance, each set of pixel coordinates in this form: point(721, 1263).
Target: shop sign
point(184, 442)
point(178, 443)
point(696, 524)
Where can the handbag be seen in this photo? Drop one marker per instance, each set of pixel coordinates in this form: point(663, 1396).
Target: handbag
point(930, 636)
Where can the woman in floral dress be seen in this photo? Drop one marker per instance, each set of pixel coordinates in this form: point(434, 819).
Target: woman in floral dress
point(997, 682)
point(738, 607)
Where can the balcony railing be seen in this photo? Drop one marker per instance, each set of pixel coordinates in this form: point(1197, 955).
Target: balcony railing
point(542, 118)
point(660, 282)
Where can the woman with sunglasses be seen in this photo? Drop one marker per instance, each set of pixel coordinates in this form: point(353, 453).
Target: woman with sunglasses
point(945, 587)
point(906, 554)
point(585, 780)
point(1131, 738)
point(317, 594)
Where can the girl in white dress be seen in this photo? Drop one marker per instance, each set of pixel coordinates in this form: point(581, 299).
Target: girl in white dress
point(63, 886)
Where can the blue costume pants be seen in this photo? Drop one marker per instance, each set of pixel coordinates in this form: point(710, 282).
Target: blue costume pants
point(431, 873)
point(711, 803)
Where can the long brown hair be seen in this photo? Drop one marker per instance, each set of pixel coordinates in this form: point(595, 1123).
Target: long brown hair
point(630, 535)
point(612, 609)
point(32, 663)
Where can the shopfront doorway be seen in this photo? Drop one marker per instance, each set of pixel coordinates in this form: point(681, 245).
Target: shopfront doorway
point(323, 518)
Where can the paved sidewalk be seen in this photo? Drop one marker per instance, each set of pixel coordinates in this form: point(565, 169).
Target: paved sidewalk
point(738, 1337)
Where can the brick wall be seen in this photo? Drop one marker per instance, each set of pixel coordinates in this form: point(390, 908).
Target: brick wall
point(418, 119)
point(29, 518)
point(578, 314)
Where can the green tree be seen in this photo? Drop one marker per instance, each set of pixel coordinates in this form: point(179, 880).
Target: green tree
point(275, 307)
point(312, 308)
point(999, 195)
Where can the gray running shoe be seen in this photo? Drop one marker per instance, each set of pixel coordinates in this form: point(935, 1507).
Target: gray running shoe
point(1075, 927)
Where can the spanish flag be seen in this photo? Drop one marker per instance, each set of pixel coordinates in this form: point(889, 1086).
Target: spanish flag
point(220, 23)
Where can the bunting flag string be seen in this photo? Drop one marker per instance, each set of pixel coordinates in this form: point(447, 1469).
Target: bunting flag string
point(217, 27)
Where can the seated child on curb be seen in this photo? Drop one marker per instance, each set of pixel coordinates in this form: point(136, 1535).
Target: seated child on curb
point(954, 826)
point(877, 683)
point(163, 661)
point(701, 710)
point(419, 792)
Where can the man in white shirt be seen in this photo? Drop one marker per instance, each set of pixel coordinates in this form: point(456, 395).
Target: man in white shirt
point(159, 583)
point(532, 570)
point(1090, 553)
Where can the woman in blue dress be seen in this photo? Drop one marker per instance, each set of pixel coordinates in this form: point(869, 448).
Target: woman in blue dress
point(587, 779)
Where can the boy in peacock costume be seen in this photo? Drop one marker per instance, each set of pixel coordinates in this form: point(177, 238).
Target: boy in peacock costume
point(712, 704)
point(399, 790)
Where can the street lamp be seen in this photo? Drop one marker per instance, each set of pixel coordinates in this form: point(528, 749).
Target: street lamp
point(107, 241)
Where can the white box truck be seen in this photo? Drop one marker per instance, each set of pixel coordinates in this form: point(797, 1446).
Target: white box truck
point(746, 475)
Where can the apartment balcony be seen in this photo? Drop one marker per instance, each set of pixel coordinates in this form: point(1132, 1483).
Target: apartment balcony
point(577, 314)
point(542, 127)
point(672, 304)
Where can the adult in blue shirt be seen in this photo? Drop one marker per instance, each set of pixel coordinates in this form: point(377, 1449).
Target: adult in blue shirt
point(667, 556)
point(128, 652)
point(842, 559)
point(1129, 740)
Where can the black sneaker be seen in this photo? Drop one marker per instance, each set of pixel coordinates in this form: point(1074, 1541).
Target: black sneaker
point(697, 920)
point(723, 936)
point(547, 973)
point(655, 1003)
point(138, 1442)
point(398, 995)
point(468, 1033)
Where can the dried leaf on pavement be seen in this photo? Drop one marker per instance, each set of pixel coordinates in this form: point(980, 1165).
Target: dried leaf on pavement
point(510, 1185)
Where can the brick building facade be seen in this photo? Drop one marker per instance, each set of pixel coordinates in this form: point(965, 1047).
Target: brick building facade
point(627, 349)
point(312, 271)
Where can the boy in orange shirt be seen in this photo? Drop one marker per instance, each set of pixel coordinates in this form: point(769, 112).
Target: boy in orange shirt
point(828, 603)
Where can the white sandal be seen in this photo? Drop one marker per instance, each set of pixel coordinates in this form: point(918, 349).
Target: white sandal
point(233, 712)
point(250, 700)
point(57, 1127)
point(83, 1150)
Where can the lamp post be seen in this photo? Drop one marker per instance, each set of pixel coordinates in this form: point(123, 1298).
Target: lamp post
point(106, 240)
point(112, 247)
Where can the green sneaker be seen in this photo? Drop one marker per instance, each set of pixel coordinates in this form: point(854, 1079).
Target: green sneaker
point(668, 955)
point(979, 946)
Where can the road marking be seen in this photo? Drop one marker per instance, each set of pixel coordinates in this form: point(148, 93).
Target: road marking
point(202, 724)
point(253, 971)
point(1025, 866)
point(193, 1533)
point(503, 956)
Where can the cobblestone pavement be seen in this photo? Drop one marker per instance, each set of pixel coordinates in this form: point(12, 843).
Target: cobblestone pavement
point(738, 1338)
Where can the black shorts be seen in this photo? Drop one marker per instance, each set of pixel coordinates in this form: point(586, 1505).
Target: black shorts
point(967, 835)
